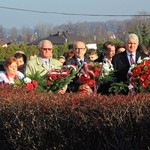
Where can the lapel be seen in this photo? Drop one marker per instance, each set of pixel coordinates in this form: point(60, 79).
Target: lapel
point(74, 61)
point(137, 56)
point(124, 58)
point(41, 63)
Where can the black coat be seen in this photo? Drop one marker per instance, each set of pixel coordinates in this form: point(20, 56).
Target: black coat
point(74, 61)
point(121, 64)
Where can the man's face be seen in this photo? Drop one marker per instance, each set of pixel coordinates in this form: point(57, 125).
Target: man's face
point(80, 49)
point(132, 45)
point(20, 61)
point(46, 50)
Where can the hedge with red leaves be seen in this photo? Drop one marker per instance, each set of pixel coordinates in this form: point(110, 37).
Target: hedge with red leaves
point(32, 120)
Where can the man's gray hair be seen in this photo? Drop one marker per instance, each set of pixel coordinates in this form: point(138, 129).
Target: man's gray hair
point(43, 41)
point(131, 36)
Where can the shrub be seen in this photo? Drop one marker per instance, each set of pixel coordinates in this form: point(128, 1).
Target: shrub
point(32, 120)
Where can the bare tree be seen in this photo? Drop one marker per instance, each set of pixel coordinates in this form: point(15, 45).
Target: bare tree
point(13, 34)
point(26, 34)
point(2, 32)
point(42, 30)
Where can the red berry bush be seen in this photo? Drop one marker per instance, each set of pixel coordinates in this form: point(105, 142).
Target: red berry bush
point(45, 121)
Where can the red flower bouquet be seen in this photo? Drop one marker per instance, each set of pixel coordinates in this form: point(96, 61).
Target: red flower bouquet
point(30, 84)
point(139, 76)
point(89, 75)
point(57, 79)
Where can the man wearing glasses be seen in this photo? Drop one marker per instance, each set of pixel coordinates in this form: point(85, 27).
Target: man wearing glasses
point(45, 61)
point(78, 59)
point(79, 49)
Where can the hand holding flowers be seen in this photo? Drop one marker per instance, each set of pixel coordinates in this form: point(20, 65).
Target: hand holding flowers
point(139, 76)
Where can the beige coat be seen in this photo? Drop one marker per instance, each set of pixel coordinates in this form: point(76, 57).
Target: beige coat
point(37, 64)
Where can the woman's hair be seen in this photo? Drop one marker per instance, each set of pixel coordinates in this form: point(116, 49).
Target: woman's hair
point(9, 61)
point(21, 55)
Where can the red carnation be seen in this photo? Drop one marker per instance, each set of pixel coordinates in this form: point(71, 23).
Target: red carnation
point(53, 76)
point(34, 82)
point(136, 71)
point(91, 83)
point(143, 77)
point(147, 62)
point(96, 71)
point(145, 83)
point(29, 86)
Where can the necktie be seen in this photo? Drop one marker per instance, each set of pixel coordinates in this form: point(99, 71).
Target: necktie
point(81, 62)
point(131, 59)
point(46, 62)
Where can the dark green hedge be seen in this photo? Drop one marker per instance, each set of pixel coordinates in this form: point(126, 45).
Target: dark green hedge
point(32, 120)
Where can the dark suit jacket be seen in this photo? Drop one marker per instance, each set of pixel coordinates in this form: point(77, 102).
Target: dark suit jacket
point(100, 58)
point(74, 61)
point(74, 85)
point(121, 64)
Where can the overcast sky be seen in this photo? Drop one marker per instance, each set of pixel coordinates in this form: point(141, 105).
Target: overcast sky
point(17, 18)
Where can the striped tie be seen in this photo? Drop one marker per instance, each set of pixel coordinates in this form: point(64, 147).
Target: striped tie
point(131, 59)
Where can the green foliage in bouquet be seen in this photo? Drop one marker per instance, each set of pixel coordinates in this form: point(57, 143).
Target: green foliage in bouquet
point(117, 88)
point(107, 78)
point(107, 73)
point(41, 80)
point(34, 80)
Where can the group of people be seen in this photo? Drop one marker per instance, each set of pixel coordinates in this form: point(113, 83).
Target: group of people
point(18, 66)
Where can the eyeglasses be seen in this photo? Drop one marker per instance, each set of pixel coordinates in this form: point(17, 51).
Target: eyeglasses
point(79, 48)
point(49, 49)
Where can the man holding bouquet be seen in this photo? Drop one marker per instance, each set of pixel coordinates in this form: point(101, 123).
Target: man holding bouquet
point(78, 59)
point(44, 62)
point(122, 61)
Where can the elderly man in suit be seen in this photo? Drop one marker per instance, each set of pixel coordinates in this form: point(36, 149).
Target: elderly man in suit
point(122, 61)
point(45, 61)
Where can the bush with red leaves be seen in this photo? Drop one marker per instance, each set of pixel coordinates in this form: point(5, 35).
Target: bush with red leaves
point(32, 120)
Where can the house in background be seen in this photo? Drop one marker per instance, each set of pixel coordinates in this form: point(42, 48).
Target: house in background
point(4, 43)
point(91, 46)
point(61, 38)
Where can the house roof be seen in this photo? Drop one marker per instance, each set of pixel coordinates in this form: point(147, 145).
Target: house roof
point(60, 38)
point(4, 42)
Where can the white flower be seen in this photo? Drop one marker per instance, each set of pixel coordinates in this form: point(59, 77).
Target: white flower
point(107, 67)
point(11, 82)
point(132, 66)
point(139, 60)
point(27, 80)
point(146, 58)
